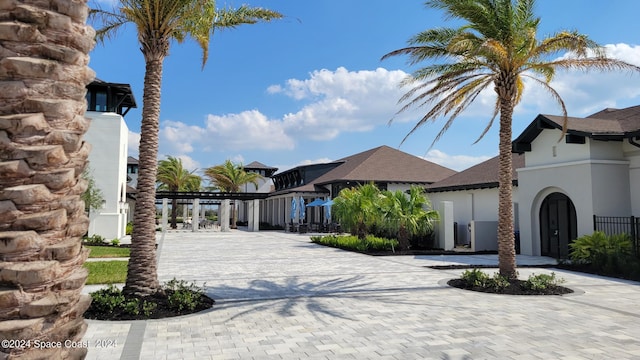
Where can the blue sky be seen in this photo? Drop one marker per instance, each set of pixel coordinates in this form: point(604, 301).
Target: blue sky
point(311, 87)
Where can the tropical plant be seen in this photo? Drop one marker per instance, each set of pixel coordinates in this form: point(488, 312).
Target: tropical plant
point(158, 22)
point(43, 79)
point(92, 197)
point(495, 47)
point(406, 214)
point(608, 253)
point(230, 177)
point(172, 176)
point(358, 209)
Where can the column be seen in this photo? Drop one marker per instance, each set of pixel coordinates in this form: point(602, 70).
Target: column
point(224, 216)
point(165, 214)
point(254, 215)
point(196, 215)
point(445, 226)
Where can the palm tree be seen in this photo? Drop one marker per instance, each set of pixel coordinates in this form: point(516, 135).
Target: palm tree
point(158, 22)
point(405, 214)
point(358, 208)
point(496, 47)
point(230, 177)
point(43, 77)
point(172, 176)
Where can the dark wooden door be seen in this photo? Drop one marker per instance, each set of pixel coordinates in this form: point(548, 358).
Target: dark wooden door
point(558, 225)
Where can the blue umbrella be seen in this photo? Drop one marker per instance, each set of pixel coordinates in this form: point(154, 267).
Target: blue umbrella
point(302, 209)
point(316, 202)
point(293, 208)
point(327, 207)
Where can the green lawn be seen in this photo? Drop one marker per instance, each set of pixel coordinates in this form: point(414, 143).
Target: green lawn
point(108, 251)
point(106, 272)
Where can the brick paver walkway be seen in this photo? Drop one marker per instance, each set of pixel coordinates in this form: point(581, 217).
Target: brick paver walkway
point(278, 296)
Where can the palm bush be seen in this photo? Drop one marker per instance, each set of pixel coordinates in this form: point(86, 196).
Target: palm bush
point(367, 210)
point(609, 253)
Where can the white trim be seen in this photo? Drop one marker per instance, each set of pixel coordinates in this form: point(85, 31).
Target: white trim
point(574, 163)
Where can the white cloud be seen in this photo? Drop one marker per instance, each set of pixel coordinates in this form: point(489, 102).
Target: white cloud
point(238, 159)
point(585, 93)
point(343, 101)
point(246, 130)
point(332, 102)
point(455, 162)
point(189, 163)
point(133, 143)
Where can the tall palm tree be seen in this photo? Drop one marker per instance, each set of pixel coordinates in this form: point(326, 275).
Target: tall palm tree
point(172, 176)
point(43, 79)
point(158, 22)
point(230, 177)
point(495, 47)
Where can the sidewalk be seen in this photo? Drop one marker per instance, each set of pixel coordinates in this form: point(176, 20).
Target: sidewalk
point(278, 296)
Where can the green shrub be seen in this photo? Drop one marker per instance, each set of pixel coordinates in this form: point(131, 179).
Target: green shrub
point(183, 296)
point(94, 239)
point(499, 282)
point(108, 299)
point(129, 229)
point(115, 242)
point(611, 254)
point(351, 242)
point(542, 281)
point(475, 277)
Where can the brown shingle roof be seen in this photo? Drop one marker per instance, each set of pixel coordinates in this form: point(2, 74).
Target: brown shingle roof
point(386, 164)
point(258, 165)
point(381, 164)
point(481, 176)
point(607, 124)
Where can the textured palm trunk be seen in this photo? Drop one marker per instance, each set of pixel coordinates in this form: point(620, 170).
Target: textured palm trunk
point(403, 238)
point(43, 78)
point(142, 273)
point(174, 214)
point(505, 87)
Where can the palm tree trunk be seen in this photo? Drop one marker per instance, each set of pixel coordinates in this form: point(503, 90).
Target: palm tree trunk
point(142, 273)
point(174, 213)
point(506, 248)
point(43, 78)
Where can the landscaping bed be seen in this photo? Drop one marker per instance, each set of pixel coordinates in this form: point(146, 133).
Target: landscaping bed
point(176, 298)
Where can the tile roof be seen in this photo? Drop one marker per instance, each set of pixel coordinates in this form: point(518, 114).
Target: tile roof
point(481, 176)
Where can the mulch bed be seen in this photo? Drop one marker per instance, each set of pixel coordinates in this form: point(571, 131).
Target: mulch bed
point(515, 288)
point(163, 310)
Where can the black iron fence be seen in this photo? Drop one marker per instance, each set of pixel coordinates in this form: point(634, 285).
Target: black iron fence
point(611, 225)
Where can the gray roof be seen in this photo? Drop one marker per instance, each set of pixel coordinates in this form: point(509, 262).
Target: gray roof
point(481, 176)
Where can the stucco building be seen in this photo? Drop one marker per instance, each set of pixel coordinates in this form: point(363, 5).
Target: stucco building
point(107, 104)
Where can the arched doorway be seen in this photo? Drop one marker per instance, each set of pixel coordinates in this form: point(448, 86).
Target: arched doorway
point(558, 225)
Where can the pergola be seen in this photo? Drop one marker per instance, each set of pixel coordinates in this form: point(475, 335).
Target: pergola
point(206, 197)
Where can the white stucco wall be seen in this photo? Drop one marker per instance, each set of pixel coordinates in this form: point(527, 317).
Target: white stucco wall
point(107, 135)
point(594, 175)
point(473, 205)
point(632, 154)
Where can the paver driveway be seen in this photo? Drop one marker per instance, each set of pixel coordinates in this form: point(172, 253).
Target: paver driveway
point(278, 296)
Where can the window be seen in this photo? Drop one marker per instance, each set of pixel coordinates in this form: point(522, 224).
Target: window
point(101, 101)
